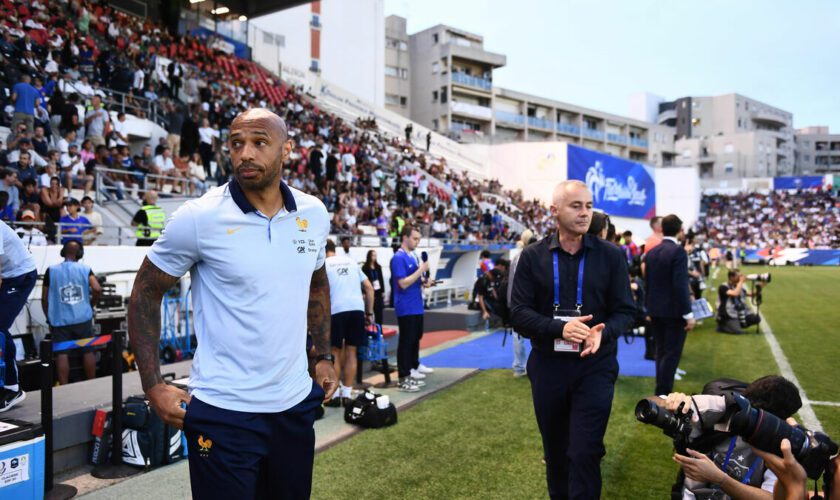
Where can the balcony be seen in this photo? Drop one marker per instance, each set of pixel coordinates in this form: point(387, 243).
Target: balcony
point(472, 81)
point(504, 116)
point(471, 110)
point(592, 133)
point(617, 139)
point(670, 114)
point(568, 129)
point(638, 142)
point(769, 118)
point(540, 123)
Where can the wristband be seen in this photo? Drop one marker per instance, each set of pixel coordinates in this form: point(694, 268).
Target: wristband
point(325, 357)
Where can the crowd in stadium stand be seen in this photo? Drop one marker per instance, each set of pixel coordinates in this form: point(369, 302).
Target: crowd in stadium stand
point(803, 219)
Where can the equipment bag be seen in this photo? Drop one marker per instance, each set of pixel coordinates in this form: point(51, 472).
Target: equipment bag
point(147, 441)
point(364, 412)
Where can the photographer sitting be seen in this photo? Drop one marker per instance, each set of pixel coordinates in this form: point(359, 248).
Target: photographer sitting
point(731, 469)
point(733, 315)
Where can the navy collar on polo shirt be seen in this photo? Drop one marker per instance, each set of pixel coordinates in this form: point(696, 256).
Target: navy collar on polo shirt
point(245, 205)
point(554, 242)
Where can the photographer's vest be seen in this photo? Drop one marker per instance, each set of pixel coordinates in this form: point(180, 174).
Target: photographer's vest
point(69, 294)
point(738, 460)
point(155, 218)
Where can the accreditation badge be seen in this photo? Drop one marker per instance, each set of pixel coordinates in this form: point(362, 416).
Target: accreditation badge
point(561, 345)
point(376, 285)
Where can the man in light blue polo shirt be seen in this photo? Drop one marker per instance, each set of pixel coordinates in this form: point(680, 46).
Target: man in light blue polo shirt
point(17, 279)
point(408, 281)
point(255, 252)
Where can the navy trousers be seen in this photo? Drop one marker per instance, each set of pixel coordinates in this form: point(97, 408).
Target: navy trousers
point(669, 337)
point(244, 456)
point(572, 401)
point(14, 292)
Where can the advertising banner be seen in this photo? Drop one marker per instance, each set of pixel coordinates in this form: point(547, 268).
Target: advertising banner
point(798, 182)
point(619, 187)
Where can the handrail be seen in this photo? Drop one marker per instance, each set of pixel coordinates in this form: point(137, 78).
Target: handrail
point(119, 186)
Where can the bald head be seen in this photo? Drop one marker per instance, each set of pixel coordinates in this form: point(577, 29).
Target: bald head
point(261, 118)
point(564, 188)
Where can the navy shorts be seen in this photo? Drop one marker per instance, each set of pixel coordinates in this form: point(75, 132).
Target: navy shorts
point(348, 327)
point(78, 331)
point(242, 455)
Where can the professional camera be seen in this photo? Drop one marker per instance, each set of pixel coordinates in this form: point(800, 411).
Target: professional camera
point(765, 431)
point(745, 318)
point(677, 427)
point(757, 427)
point(762, 277)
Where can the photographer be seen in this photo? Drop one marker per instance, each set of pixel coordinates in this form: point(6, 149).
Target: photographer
point(729, 464)
point(733, 315)
point(490, 289)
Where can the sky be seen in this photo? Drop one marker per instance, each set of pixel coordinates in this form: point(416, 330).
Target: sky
point(597, 53)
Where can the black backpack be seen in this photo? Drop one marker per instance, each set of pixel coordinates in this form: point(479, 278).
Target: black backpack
point(147, 441)
point(364, 412)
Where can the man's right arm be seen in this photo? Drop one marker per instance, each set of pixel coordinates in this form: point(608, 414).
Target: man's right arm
point(144, 320)
point(525, 318)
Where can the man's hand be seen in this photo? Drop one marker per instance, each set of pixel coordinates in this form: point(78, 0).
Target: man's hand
point(326, 378)
point(699, 467)
point(690, 324)
point(166, 401)
point(424, 267)
point(576, 331)
point(792, 483)
point(485, 315)
point(672, 403)
point(593, 340)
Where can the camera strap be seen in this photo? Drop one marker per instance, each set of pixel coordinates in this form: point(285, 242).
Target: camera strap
point(579, 297)
point(755, 463)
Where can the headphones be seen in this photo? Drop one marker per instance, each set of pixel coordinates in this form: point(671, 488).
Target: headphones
point(80, 251)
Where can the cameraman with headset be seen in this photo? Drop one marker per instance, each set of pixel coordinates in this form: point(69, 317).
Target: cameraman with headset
point(67, 297)
point(733, 315)
point(730, 468)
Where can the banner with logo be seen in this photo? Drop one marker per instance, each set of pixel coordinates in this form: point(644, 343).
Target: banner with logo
point(619, 187)
point(798, 182)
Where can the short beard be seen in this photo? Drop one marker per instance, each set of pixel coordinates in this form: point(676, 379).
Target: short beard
point(259, 184)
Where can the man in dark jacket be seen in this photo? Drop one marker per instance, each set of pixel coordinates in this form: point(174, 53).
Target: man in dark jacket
point(571, 297)
point(668, 301)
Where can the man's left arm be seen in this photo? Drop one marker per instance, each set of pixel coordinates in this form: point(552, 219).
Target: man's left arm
point(620, 306)
point(318, 323)
point(95, 289)
point(699, 467)
point(680, 282)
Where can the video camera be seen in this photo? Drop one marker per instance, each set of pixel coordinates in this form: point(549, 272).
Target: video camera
point(763, 430)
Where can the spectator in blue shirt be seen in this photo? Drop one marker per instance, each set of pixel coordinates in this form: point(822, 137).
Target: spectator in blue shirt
point(409, 278)
point(25, 97)
point(73, 225)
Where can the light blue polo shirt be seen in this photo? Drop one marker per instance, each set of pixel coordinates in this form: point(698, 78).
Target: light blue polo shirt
point(15, 259)
point(250, 285)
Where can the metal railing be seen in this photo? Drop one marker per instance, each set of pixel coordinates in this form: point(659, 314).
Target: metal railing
point(505, 116)
point(139, 183)
point(124, 234)
point(472, 81)
point(152, 109)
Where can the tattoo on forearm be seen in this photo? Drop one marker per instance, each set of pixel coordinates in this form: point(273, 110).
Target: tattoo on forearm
point(318, 313)
point(144, 320)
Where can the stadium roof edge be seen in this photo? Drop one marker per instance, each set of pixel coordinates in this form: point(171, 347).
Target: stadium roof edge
point(252, 8)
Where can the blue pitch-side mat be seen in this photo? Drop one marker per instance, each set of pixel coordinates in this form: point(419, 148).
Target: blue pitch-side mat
point(487, 353)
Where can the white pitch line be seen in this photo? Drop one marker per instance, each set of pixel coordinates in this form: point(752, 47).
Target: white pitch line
point(825, 403)
point(809, 418)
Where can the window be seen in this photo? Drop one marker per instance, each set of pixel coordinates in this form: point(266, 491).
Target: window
point(807, 157)
point(728, 168)
point(686, 153)
point(435, 38)
point(739, 123)
point(404, 73)
point(728, 148)
point(434, 96)
point(316, 21)
point(435, 124)
point(403, 101)
point(590, 123)
point(315, 66)
point(403, 46)
point(443, 94)
point(392, 100)
point(435, 66)
point(391, 71)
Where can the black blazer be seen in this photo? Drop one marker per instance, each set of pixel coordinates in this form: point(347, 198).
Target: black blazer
point(666, 281)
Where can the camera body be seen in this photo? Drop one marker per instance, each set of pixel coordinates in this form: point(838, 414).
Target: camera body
point(761, 429)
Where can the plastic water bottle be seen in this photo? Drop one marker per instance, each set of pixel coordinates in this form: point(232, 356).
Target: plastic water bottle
point(2, 370)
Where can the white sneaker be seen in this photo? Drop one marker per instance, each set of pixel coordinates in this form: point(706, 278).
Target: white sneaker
point(425, 369)
point(416, 375)
point(680, 371)
point(407, 386)
point(677, 376)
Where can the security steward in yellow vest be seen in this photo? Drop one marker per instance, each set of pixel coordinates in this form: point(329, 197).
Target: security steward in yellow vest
point(149, 220)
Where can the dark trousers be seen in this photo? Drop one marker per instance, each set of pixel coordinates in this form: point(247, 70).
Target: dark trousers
point(14, 292)
point(206, 152)
point(408, 346)
point(669, 338)
point(378, 307)
point(572, 401)
point(246, 456)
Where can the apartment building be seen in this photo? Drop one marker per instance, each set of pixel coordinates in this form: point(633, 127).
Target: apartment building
point(817, 151)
